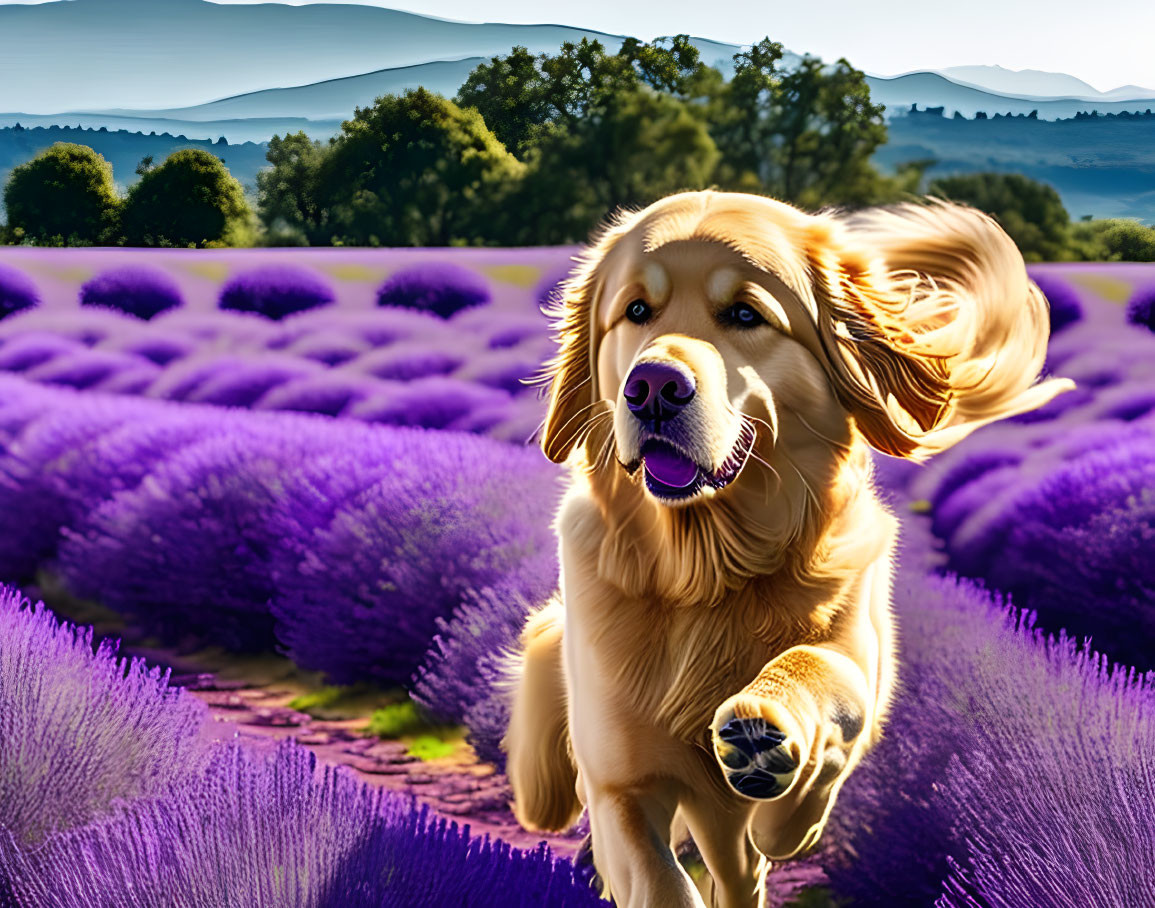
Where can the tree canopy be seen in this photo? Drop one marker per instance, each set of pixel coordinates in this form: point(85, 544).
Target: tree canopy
point(64, 195)
point(414, 170)
point(190, 199)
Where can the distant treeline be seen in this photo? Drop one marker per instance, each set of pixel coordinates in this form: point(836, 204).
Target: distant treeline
point(124, 149)
point(537, 150)
point(1033, 115)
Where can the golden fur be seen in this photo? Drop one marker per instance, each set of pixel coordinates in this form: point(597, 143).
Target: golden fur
point(903, 328)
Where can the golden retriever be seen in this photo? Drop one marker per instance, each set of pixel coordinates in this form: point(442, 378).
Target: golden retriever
point(721, 652)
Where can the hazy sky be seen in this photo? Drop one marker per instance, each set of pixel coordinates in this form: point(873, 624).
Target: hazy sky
point(1113, 46)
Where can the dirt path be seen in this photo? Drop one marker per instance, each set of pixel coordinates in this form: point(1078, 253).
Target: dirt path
point(459, 787)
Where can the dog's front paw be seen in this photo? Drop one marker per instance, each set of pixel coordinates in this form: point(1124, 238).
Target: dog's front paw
point(757, 758)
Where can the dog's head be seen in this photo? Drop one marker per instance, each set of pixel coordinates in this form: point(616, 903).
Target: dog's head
point(714, 340)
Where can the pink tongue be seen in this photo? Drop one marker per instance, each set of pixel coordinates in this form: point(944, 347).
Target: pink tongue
point(669, 467)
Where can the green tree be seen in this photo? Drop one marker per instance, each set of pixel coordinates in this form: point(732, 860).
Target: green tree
point(1112, 240)
point(520, 95)
point(804, 135)
point(414, 170)
point(63, 196)
point(288, 202)
point(631, 149)
point(189, 200)
point(1031, 212)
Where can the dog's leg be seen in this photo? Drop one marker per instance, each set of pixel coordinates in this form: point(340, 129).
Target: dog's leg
point(790, 738)
point(720, 831)
point(631, 846)
point(539, 764)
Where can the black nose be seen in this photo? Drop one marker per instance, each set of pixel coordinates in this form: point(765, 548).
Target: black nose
point(657, 391)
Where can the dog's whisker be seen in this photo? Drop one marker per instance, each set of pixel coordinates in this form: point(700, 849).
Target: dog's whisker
point(834, 443)
point(580, 414)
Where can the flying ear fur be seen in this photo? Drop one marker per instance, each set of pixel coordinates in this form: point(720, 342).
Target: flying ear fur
point(571, 374)
point(929, 322)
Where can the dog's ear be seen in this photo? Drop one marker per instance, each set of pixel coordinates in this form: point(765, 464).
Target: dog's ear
point(929, 323)
point(571, 375)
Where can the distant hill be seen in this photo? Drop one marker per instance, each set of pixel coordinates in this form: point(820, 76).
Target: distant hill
point(1038, 84)
point(320, 107)
point(933, 90)
point(1101, 166)
point(142, 54)
point(125, 149)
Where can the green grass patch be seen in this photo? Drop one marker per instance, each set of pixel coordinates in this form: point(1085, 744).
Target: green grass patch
point(431, 747)
point(397, 720)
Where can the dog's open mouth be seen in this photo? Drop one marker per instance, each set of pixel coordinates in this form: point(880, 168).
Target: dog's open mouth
point(670, 474)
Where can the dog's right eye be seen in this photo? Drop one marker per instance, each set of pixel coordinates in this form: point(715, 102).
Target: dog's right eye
point(638, 312)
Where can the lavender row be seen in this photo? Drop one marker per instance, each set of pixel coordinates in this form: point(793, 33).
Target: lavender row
point(1012, 769)
point(343, 542)
point(109, 797)
point(387, 366)
point(80, 727)
point(274, 290)
point(1056, 507)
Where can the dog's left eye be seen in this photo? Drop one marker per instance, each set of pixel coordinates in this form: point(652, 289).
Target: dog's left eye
point(638, 312)
point(742, 315)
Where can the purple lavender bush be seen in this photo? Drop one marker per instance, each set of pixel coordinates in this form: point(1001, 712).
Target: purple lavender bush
point(459, 679)
point(509, 370)
point(34, 474)
point(441, 288)
point(363, 598)
point(331, 393)
point(86, 326)
point(328, 346)
point(230, 379)
point(27, 351)
point(220, 329)
point(275, 291)
point(96, 369)
point(233, 381)
point(135, 289)
point(1053, 803)
point(187, 552)
point(500, 329)
point(436, 402)
point(409, 361)
point(271, 830)
point(199, 521)
point(16, 291)
point(982, 689)
point(154, 343)
point(1065, 305)
point(1141, 307)
point(376, 328)
point(80, 727)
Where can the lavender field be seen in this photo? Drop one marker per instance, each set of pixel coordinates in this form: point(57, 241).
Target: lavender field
point(325, 459)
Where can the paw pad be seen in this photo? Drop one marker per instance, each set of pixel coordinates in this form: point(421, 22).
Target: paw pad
point(754, 753)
